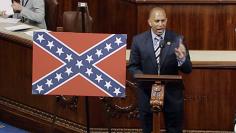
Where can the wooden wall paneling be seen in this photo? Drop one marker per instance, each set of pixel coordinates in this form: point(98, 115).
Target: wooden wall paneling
point(15, 80)
point(230, 12)
point(209, 99)
point(128, 114)
point(204, 26)
point(103, 115)
point(65, 5)
point(60, 12)
point(195, 22)
point(17, 75)
point(184, 1)
point(113, 16)
point(77, 114)
point(97, 113)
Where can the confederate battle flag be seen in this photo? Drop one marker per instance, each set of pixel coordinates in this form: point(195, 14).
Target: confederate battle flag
point(82, 64)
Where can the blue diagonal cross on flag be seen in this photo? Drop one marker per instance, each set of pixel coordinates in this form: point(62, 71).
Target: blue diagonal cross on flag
point(79, 64)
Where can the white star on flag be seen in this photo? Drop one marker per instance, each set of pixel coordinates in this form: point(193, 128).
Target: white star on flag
point(89, 71)
point(59, 51)
point(40, 38)
point(68, 71)
point(58, 77)
point(118, 41)
point(99, 53)
point(49, 82)
point(39, 88)
point(108, 84)
point(108, 47)
point(68, 57)
point(98, 78)
point(117, 91)
point(89, 58)
point(79, 64)
point(50, 44)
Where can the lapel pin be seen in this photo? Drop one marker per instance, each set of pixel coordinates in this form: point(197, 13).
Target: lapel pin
point(168, 43)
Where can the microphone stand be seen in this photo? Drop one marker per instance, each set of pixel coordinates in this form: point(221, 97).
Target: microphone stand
point(82, 6)
point(162, 44)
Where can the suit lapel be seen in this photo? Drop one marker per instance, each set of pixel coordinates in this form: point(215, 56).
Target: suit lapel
point(165, 49)
point(150, 49)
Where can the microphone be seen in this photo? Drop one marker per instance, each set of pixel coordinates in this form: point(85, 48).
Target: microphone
point(179, 40)
point(235, 128)
point(162, 43)
point(235, 124)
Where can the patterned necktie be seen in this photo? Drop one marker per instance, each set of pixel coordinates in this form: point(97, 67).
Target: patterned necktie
point(157, 49)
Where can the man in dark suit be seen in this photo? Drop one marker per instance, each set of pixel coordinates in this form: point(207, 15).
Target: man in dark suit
point(160, 51)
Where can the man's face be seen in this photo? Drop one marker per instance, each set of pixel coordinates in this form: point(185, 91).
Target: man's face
point(157, 21)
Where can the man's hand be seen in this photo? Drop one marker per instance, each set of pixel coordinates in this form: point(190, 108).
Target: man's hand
point(2, 13)
point(180, 51)
point(16, 6)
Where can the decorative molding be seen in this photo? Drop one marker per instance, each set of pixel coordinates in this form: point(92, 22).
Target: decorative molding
point(116, 130)
point(47, 117)
point(138, 130)
point(75, 126)
point(70, 125)
point(205, 131)
point(26, 109)
point(68, 102)
point(183, 1)
point(115, 109)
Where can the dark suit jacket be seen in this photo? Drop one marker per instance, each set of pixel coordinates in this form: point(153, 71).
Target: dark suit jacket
point(142, 60)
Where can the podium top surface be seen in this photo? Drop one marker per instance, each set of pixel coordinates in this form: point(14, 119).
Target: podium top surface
point(150, 77)
point(209, 58)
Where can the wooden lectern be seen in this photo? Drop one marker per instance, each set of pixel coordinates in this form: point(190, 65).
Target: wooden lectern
point(157, 94)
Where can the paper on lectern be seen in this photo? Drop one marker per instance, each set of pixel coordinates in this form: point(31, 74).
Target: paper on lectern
point(19, 27)
point(6, 6)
